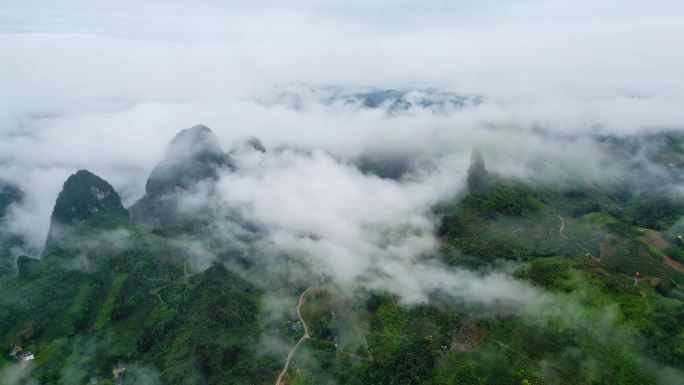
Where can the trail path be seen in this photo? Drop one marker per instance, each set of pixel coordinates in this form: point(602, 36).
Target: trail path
point(306, 336)
point(589, 254)
point(560, 231)
point(155, 292)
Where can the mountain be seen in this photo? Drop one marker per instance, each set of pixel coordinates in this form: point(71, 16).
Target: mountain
point(87, 204)
point(108, 294)
point(9, 195)
point(193, 155)
point(88, 199)
point(247, 144)
point(193, 164)
point(391, 100)
point(599, 274)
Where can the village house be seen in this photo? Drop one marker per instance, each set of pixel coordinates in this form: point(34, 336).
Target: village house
point(118, 370)
point(19, 353)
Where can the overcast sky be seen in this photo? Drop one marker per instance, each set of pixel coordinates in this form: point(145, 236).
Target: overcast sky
point(173, 46)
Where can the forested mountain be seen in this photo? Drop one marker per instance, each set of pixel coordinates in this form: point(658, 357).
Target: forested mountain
point(204, 192)
point(597, 273)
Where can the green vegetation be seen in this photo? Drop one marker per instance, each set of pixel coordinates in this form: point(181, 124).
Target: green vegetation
point(610, 325)
point(206, 331)
point(86, 198)
point(108, 305)
point(9, 195)
point(104, 294)
point(139, 308)
point(676, 253)
point(110, 288)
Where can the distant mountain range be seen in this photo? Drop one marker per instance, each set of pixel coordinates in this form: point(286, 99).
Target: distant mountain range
point(393, 101)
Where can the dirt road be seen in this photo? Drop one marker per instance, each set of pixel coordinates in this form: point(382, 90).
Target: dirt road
point(306, 336)
point(560, 231)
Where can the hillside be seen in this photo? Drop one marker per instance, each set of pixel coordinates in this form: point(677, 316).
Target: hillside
point(599, 276)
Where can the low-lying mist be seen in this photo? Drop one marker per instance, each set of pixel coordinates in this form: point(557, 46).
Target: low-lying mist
point(338, 132)
point(560, 144)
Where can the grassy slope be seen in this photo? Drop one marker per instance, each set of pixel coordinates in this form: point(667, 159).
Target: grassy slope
point(108, 305)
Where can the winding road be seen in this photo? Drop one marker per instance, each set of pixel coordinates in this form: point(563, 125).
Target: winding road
point(588, 253)
point(560, 231)
point(306, 336)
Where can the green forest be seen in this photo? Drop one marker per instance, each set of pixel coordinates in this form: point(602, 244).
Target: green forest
point(114, 299)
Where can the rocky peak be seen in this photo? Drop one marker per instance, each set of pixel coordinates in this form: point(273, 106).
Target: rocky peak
point(477, 172)
point(193, 142)
point(86, 197)
point(86, 204)
point(194, 154)
point(247, 144)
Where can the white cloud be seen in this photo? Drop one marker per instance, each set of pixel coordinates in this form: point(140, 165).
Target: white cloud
point(106, 85)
